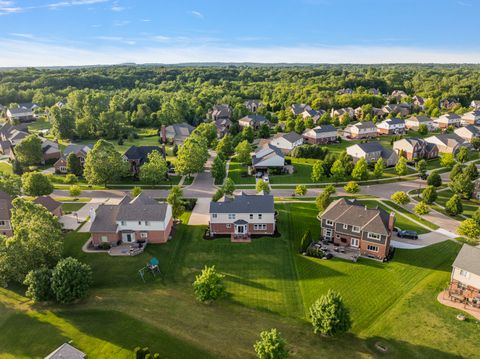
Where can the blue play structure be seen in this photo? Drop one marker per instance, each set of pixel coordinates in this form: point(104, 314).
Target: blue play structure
point(152, 265)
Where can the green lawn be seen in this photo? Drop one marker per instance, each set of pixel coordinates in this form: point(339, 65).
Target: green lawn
point(235, 171)
point(411, 215)
point(5, 167)
point(469, 206)
point(269, 285)
point(71, 207)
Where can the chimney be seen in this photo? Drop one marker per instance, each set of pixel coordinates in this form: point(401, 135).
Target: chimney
point(164, 134)
point(391, 221)
point(92, 214)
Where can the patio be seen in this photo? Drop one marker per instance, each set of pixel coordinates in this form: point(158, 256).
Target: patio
point(347, 253)
point(457, 301)
point(127, 249)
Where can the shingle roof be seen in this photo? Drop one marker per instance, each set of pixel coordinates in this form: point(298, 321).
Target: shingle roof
point(324, 128)
point(468, 259)
point(257, 119)
point(370, 147)
point(394, 121)
point(73, 148)
point(292, 137)
point(141, 152)
point(420, 119)
point(367, 124)
point(66, 351)
point(48, 202)
point(244, 203)
point(265, 153)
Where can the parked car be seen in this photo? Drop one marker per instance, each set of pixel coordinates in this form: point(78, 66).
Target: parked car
point(407, 234)
point(266, 179)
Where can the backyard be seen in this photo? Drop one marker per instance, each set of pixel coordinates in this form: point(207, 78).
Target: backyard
point(269, 285)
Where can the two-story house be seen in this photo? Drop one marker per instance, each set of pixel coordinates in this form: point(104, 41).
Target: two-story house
point(465, 277)
point(391, 126)
point(243, 216)
point(361, 130)
point(221, 111)
point(287, 141)
point(350, 223)
point(414, 122)
point(254, 121)
point(137, 156)
point(449, 119)
point(80, 151)
point(176, 133)
point(267, 157)
point(468, 132)
point(141, 219)
point(415, 149)
point(470, 118)
point(320, 135)
point(298, 108)
point(5, 214)
point(447, 142)
point(372, 152)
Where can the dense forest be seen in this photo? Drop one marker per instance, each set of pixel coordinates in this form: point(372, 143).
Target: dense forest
point(113, 101)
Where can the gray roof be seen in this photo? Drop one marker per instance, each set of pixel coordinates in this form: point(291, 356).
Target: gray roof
point(15, 111)
point(472, 129)
point(141, 153)
point(244, 203)
point(420, 119)
point(73, 148)
point(370, 147)
point(448, 139)
point(394, 121)
point(298, 108)
point(468, 259)
point(272, 151)
point(48, 202)
point(66, 351)
point(292, 137)
point(367, 124)
point(324, 128)
point(257, 119)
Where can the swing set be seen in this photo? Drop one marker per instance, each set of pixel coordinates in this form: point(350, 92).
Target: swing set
point(152, 266)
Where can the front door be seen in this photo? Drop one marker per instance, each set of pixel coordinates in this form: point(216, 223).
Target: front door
point(354, 242)
point(241, 229)
point(128, 237)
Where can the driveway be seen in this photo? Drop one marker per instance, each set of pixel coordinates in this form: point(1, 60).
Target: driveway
point(200, 214)
point(423, 240)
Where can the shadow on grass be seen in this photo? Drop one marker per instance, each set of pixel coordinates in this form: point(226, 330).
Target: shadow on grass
point(439, 256)
point(246, 282)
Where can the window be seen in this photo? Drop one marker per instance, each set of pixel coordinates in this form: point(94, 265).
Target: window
point(375, 236)
point(259, 227)
point(228, 225)
point(345, 226)
point(63, 169)
point(214, 215)
point(372, 248)
point(2, 223)
point(123, 223)
point(231, 216)
point(139, 223)
point(463, 273)
point(327, 233)
point(356, 229)
point(104, 239)
point(251, 215)
point(259, 216)
point(147, 223)
point(329, 222)
point(143, 234)
point(354, 242)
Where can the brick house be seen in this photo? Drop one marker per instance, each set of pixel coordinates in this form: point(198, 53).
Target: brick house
point(372, 152)
point(5, 214)
point(465, 277)
point(80, 151)
point(391, 126)
point(349, 223)
point(54, 207)
point(141, 219)
point(243, 216)
point(361, 130)
point(320, 135)
point(415, 149)
point(136, 156)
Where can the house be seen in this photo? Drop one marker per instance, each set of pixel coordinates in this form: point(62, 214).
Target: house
point(136, 156)
point(5, 214)
point(399, 95)
point(80, 151)
point(140, 220)
point(475, 104)
point(414, 122)
point(415, 149)
point(223, 126)
point(361, 130)
point(449, 119)
point(402, 109)
point(465, 278)
point(177, 133)
point(54, 207)
point(470, 118)
point(418, 101)
point(347, 91)
point(254, 121)
point(253, 105)
point(243, 216)
point(50, 150)
point(476, 189)
point(447, 142)
point(449, 104)
point(391, 126)
point(267, 157)
point(349, 223)
point(342, 112)
point(468, 132)
point(221, 111)
point(66, 351)
point(320, 135)
point(19, 115)
point(372, 152)
point(313, 114)
point(297, 109)
point(287, 141)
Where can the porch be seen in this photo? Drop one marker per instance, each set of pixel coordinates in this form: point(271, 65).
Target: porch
point(240, 232)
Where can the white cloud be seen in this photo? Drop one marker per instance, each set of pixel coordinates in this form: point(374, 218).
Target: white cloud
point(9, 7)
point(69, 3)
point(197, 14)
point(117, 39)
point(117, 7)
point(14, 53)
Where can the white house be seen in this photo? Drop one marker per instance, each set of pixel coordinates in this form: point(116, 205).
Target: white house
point(287, 141)
point(465, 277)
point(449, 119)
point(268, 157)
point(362, 130)
point(414, 122)
point(468, 132)
point(391, 126)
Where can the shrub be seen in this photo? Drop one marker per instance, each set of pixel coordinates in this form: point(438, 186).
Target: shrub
point(217, 195)
point(329, 315)
point(434, 179)
point(208, 286)
point(75, 191)
point(39, 284)
point(352, 187)
point(71, 178)
point(262, 186)
point(429, 194)
point(301, 190)
point(71, 280)
point(470, 229)
point(421, 208)
point(271, 345)
point(400, 198)
point(454, 205)
point(136, 191)
point(309, 151)
point(305, 241)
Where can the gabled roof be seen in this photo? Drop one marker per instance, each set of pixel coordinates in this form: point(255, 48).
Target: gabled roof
point(76, 149)
point(291, 137)
point(447, 139)
point(265, 153)
point(244, 203)
point(19, 110)
point(393, 121)
point(369, 147)
point(449, 117)
point(66, 351)
point(420, 119)
point(141, 152)
point(474, 130)
point(179, 130)
point(298, 108)
point(468, 259)
point(48, 202)
point(364, 125)
point(221, 111)
point(255, 119)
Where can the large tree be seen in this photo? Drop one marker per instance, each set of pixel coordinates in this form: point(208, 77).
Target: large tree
point(462, 185)
point(71, 280)
point(192, 156)
point(36, 184)
point(63, 122)
point(454, 205)
point(208, 131)
point(11, 184)
point(104, 164)
point(74, 165)
point(242, 151)
point(37, 242)
point(155, 170)
point(29, 151)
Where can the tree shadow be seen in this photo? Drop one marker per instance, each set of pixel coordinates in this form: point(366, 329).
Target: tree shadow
point(247, 282)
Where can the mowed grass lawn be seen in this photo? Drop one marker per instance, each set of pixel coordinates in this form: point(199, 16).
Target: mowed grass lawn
point(269, 285)
point(469, 206)
point(5, 167)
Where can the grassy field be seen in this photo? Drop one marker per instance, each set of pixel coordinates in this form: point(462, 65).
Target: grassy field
point(409, 214)
point(469, 206)
point(269, 285)
point(235, 171)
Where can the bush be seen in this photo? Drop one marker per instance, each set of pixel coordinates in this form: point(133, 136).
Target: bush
point(217, 195)
point(434, 179)
point(208, 286)
point(421, 208)
point(104, 246)
point(309, 151)
point(454, 205)
point(400, 198)
point(39, 284)
point(71, 280)
point(301, 190)
point(271, 345)
point(429, 195)
point(329, 315)
point(75, 191)
point(71, 178)
point(351, 187)
point(189, 203)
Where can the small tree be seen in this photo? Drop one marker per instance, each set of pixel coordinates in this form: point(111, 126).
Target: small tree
point(136, 191)
point(421, 208)
point(219, 171)
point(434, 179)
point(242, 151)
point(401, 166)
point(476, 216)
point(400, 198)
point(208, 286)
point(471, 171)
point(454, 205)
point(301, 190)
point(423, 129)
point(318, 171)
point(71, 280)
point(429, 195)
point(323, 200)
point(228, 186)
point(351, 187)
point(39, 283)
point(217, 195)
point(421, 167)
point(75, 191)
point(329, 315)
point(447, 160)
point(248, 134)
point(470, 229)
point(360, 171)
point(379, 168)
point(456, 170)
point(462, 185)
point(305, 241)
point(71, 178)
point(462, 155)
point(271, 345)
point(475, 142)
point(36, 184)
point(175, 200)
point(338, 170)
point(262, 186)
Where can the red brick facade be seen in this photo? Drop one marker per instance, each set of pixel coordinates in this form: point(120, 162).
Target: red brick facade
point(345, 240)
point(222, 228)
point(317, 141)
point(468, 292)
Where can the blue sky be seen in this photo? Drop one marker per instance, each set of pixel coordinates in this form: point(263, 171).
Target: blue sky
point(76, 32)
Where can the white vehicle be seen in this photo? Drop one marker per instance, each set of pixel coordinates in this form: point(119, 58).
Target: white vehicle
point(266, 179)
